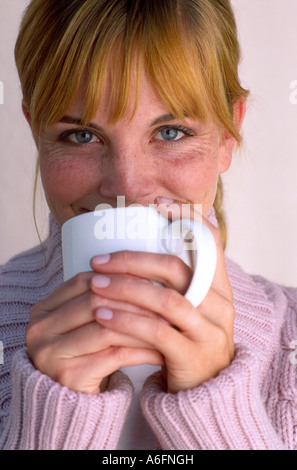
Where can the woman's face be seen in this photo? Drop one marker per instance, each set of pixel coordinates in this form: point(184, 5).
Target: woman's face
point(144, 158)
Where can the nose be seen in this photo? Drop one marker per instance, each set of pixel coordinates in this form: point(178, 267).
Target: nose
point(130, 175)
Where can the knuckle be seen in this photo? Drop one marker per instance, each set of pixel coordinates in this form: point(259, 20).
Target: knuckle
point(42, 356)
point(171, 299)
point(175, 264)
point(80, 280)
point(160, 332)
point(109, 339)
point(120, 354)
point(33, 332)
point(64, 374)
point(122, 286)
point(220, 338)
point(227, 311)
point(36, 310)
point(127, 257)
point(227, 293)
point(94, 300)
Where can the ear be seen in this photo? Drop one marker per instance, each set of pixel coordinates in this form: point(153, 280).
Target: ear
point(26, 112)
point(228, 142)
point(27, 115)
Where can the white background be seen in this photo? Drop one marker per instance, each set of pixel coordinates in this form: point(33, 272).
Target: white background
point(261, 185)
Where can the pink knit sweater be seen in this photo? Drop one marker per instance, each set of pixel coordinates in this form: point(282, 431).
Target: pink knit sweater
point(252, 404)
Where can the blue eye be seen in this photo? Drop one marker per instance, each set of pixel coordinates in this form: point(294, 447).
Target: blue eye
point(173, 133)
point(80, 137)
point(169, 133)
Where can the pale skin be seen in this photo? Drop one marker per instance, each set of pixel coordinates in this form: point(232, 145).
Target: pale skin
point(113, 316)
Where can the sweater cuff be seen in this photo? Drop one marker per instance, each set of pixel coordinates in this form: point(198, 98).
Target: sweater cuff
point(47, 416)
point(224, 413)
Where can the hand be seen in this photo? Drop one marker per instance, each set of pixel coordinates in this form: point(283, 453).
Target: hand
point(197, 343)
point(66, 343)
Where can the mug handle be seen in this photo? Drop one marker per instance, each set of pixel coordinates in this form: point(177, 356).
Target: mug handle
point(206, 259)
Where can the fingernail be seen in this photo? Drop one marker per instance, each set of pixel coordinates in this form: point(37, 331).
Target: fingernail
point(104, 314)
point(101, 259)
point(165, 200)
point(101, 281)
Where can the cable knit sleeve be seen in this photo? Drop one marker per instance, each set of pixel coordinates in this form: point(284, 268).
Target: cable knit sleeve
point(225, 413)
point(46, 416)
point(250, 405)
point(36, 412)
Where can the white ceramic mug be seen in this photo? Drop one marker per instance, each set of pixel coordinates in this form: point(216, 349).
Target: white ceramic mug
point(138, 228)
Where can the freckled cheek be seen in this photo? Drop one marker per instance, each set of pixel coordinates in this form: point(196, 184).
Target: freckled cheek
point(195, 181)
point(206, 177)
point(66, 181)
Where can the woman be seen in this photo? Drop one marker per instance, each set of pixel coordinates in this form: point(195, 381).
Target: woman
point(139, 99)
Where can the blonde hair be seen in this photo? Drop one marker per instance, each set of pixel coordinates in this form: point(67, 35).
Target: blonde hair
point(189, 49)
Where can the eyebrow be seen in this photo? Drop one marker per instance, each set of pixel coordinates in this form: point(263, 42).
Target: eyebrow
point(165, 118)
point(73, 120)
